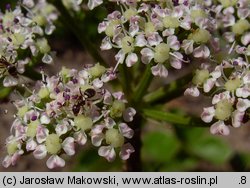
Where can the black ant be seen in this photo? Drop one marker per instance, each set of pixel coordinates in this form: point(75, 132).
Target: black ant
point(7, 66)
point(81, 100)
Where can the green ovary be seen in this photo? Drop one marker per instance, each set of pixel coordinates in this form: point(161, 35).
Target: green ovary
point(32, 127)
point(12, 147)
point(83, 122)
point(161, 53)
point(53, 144)
point(117, 108)
point(232, 85)
point(240, 27)
point(200, 77)
point(170, 22)
point(200, 36)
point(127, 44)
point(114, 138)
point(223, 110)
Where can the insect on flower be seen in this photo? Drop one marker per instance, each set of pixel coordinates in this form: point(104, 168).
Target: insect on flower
point(6, 66)
point(88, 93)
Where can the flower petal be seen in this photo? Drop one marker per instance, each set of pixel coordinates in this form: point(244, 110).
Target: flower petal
point(108, 152)
point(126, 151)
point(219, 128)
point(68, 146)
point(40, 152)
point(55, 161)
point(208, 114)
point(126, 130)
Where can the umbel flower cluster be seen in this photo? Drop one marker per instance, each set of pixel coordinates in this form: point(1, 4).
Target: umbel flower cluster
point(22, 33)
point(70, 109)
point(211, 36)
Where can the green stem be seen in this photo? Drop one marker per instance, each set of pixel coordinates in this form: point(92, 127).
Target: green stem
point(173, 118)
point(168, 92)
point(143, 85)
point(125, 80)
point(78, 31)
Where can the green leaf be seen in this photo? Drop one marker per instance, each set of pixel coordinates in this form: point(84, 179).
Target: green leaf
point(159, 146)
point(212, 149)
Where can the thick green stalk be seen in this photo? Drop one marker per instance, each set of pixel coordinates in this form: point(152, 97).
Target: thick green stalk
point(78, 30)
point(168, 92)
point(143, 85)
point(173, 118)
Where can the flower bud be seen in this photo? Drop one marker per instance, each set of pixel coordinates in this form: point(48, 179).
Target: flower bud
point(12, 147)
point(149, 28)
point(117, 108)
point(232, 85)
point(43, 46)
point(240, 27)
point(171, 22)
point(200, 76)
point(129, 13)
point(83, 122)
point(43, 92)
point(228, 3)
point(53, 144)
point(32, 127)
point(127, 44)
point(200, 36)
point(17, 39)
point(114, 138)
point(198, 13)
point(110, 29)
point(22, 111)
point(223, 110)
point(40, 20)
point(161, 53)
point(97, 70)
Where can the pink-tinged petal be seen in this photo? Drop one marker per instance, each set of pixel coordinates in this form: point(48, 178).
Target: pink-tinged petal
point(41, 134)
point(208, 114)
point(208, 85)
point(220, 128)
point(128, 114)
point(97, 139)
point(245, 39)
point(133, 29)
point(28, 3)
point(97, 83)
point(159, 70)
point(246, 78)
point(147, 55)
point(97, 129)
point(126, 151)
point(140, 41)
point(201, 52)
point(10, 81)
point(47, 59)
point(192, 91)
point(109, 122)
point(217, 72)
point(176, 62)
point(68, 146)
point(243, 13)
point(15, 157)
point(173, 42)
point(31, 145)
point(94, 3)
point(243, 92)
point(120, 56)
point(243, 104)
point(237, 118)
point(44, 119)
point(40, 152)
point(126, 130)
point(187, 46)
point(106, 44)
point(131, 59)
point(61, 129)
point(215, 44)
point(80, 138)
point(168, 32)
point(186, 23)
point(154, 39)
point(7, 161)
point(107, 98)
point(102, 26)
point(55, 161)
point(108, 152)
point(221, 96)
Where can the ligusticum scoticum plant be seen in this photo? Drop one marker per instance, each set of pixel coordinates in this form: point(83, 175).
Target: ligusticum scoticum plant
point(210, 37)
